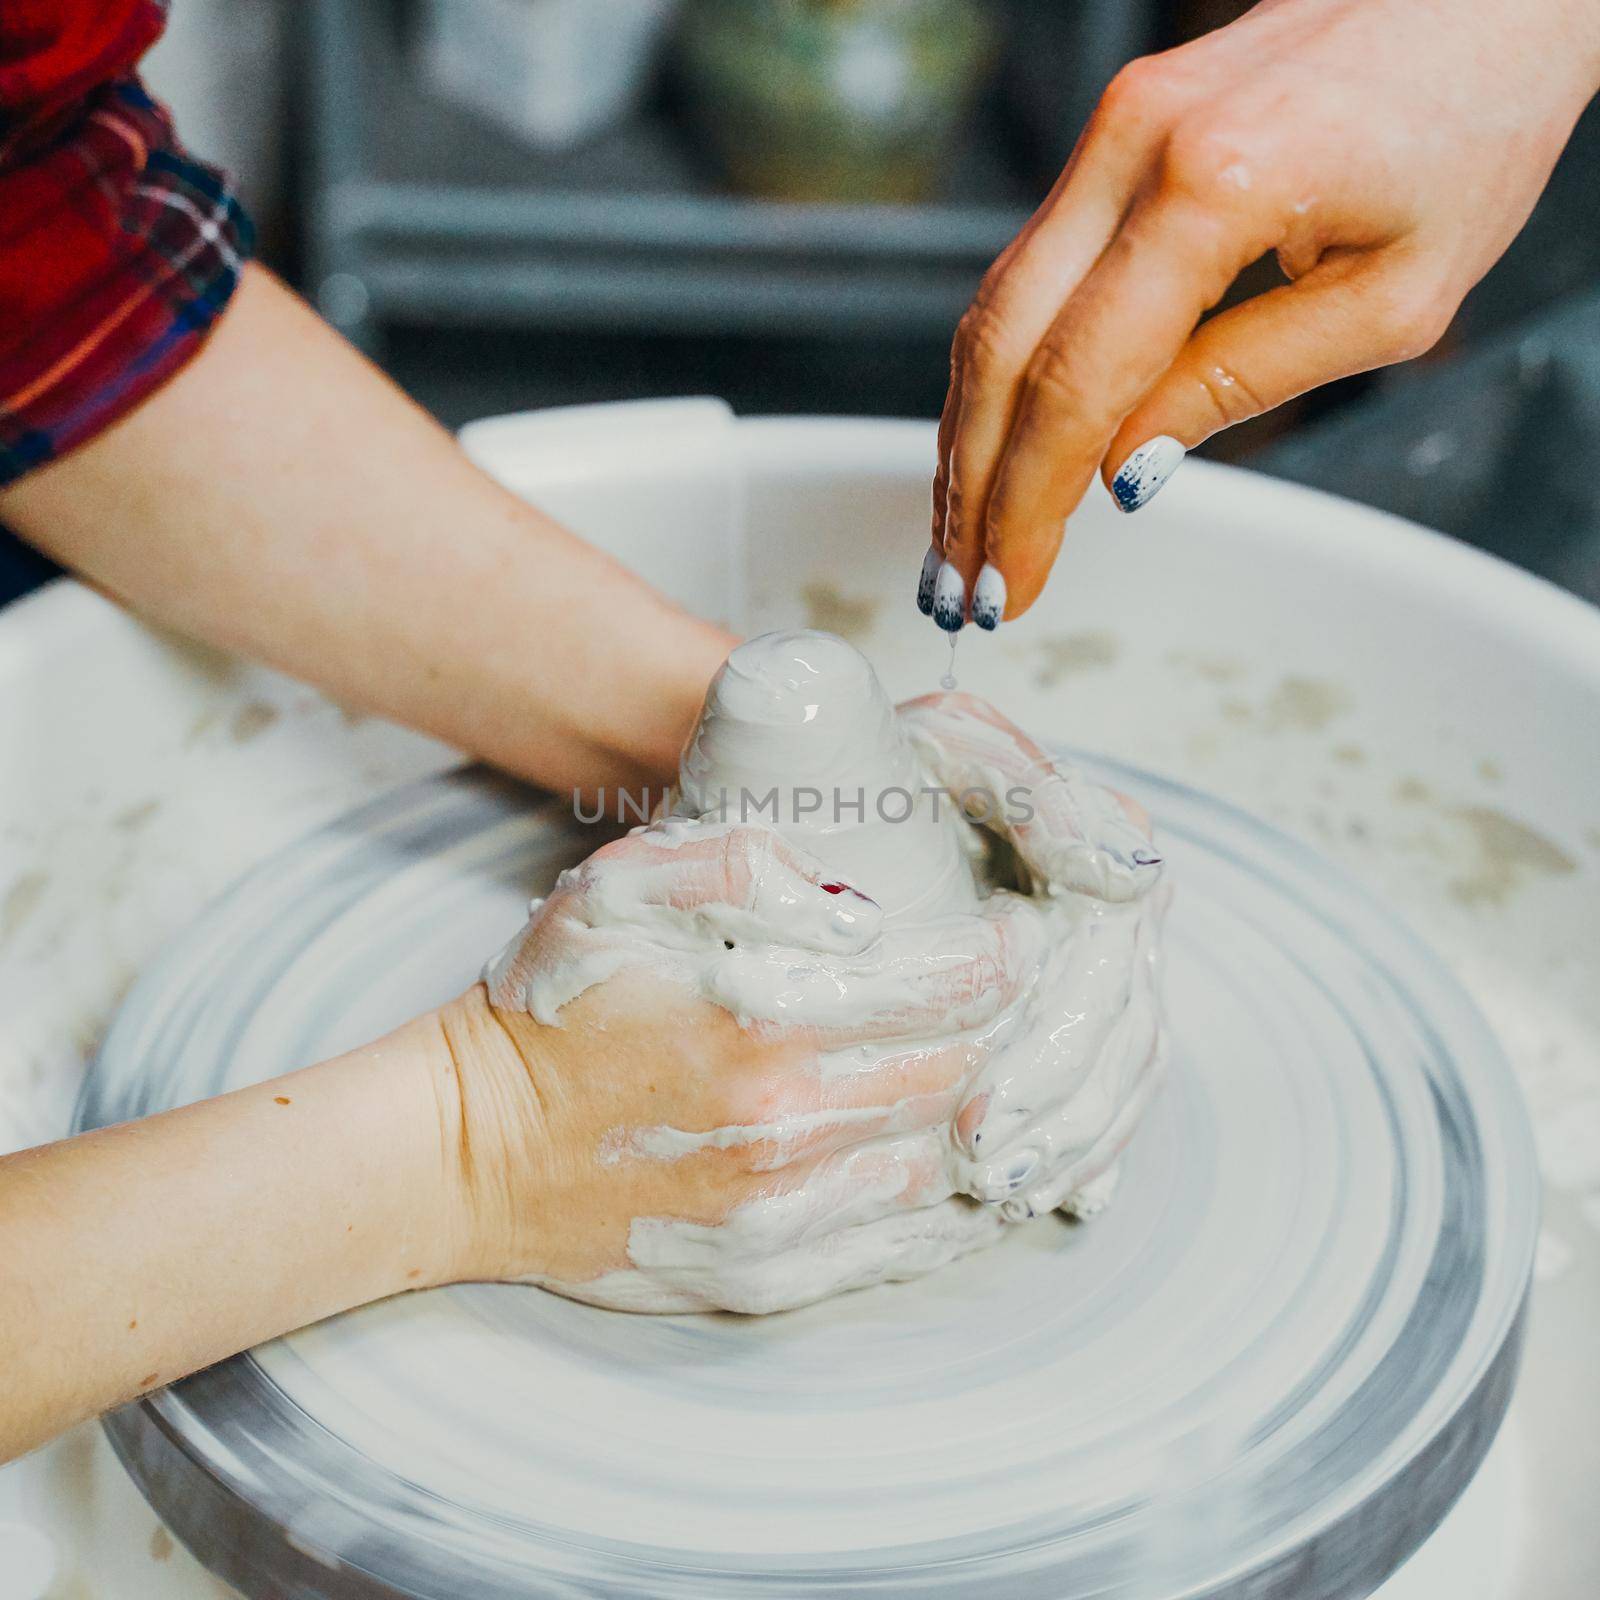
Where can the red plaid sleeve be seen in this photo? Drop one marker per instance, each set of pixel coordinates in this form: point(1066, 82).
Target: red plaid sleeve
point(117, 249)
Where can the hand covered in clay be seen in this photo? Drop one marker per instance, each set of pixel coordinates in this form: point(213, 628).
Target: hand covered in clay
point(1386, 153)
point(649, 1124)
point(1052, 1105)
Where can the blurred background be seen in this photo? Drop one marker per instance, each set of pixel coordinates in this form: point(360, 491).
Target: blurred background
point(788, 203)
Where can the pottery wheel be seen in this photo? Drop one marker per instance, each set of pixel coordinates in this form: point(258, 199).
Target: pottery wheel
point(1267, 1370)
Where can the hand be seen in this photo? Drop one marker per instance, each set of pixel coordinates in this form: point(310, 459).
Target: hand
point(1386, 150)
point(1049, 1111)
point(1068, 832)
point(647, 1123)
point(632, 1111)
point(672, 1138)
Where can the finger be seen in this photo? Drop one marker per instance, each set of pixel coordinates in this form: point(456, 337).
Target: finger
point(1091, 980)
point(1066, 1187)
point(875, 1075)
point(737, 882)
point(1174, 256)
point(842, 1190)
point(1349, 314)
point(1070, 833)
point(894, 1248)
point(956, 976)
point(1019, 300)
point(1057, 1143)
point(1078, 835)
point(929, 980)
point(933, 559)
point(850, 1096)
point(678, 886)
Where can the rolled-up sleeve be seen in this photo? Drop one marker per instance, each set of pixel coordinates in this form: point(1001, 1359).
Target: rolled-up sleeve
point(117, 248)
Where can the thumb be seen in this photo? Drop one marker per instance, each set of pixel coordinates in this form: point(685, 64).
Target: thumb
point(1349, 314)
point(744, 882)
point(780, 893)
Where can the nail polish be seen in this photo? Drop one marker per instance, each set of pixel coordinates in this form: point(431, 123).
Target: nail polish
point(989, 598)
point(930, 576)
point(949, 599)
point(1144, 472)
point(855, 894)
point(1022, 1169)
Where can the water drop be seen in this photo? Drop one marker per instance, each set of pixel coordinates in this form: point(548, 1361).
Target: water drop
point(948, 681)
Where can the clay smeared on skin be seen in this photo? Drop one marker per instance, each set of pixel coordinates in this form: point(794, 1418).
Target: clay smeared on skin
point(1062, 1073)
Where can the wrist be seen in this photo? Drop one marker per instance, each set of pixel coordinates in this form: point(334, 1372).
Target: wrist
point(386, 1117)
point(492, 1138)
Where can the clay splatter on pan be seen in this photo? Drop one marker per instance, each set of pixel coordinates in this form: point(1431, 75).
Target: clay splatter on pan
point(20, 902)
point(833, 611)
point(251, 720)
point(1208, 668)
point(1295, 705)
point(1509, 854)
point(1069, 653)
point(1304, 705)
point(135, 816)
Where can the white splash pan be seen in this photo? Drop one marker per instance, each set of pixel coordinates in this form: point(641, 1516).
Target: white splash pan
point(1421, 713)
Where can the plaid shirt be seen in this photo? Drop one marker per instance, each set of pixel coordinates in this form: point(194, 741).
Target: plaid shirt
point(117, 250)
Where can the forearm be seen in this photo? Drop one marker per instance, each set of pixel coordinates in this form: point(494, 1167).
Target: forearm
point(281, 499)
point(132, 1256)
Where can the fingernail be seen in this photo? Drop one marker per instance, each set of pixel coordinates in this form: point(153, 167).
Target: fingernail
point(1022, 1169)
point(950, 599)
point(830, 915)
point(930, 576)
point(969, 1123)
point(1146, 858)
point(845, 888)
point(1145, 471)
point(1017, 1211)
point(989, 598)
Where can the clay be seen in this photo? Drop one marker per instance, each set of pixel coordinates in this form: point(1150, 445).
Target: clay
point(798, 734)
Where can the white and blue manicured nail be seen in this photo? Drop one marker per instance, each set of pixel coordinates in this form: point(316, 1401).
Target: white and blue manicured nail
point(949, 599)
point(1022, 1169)
point(989, 598)
point(930, 576)
point(1145, 471)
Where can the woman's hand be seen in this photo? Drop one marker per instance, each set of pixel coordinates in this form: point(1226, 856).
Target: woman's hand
point(704, 1076)
point(674, 1136)
point(1069, 833)
point(1386, 150)
point(1048, 1113)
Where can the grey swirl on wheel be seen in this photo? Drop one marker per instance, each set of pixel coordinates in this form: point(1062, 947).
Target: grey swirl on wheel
point(1267, 1370)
